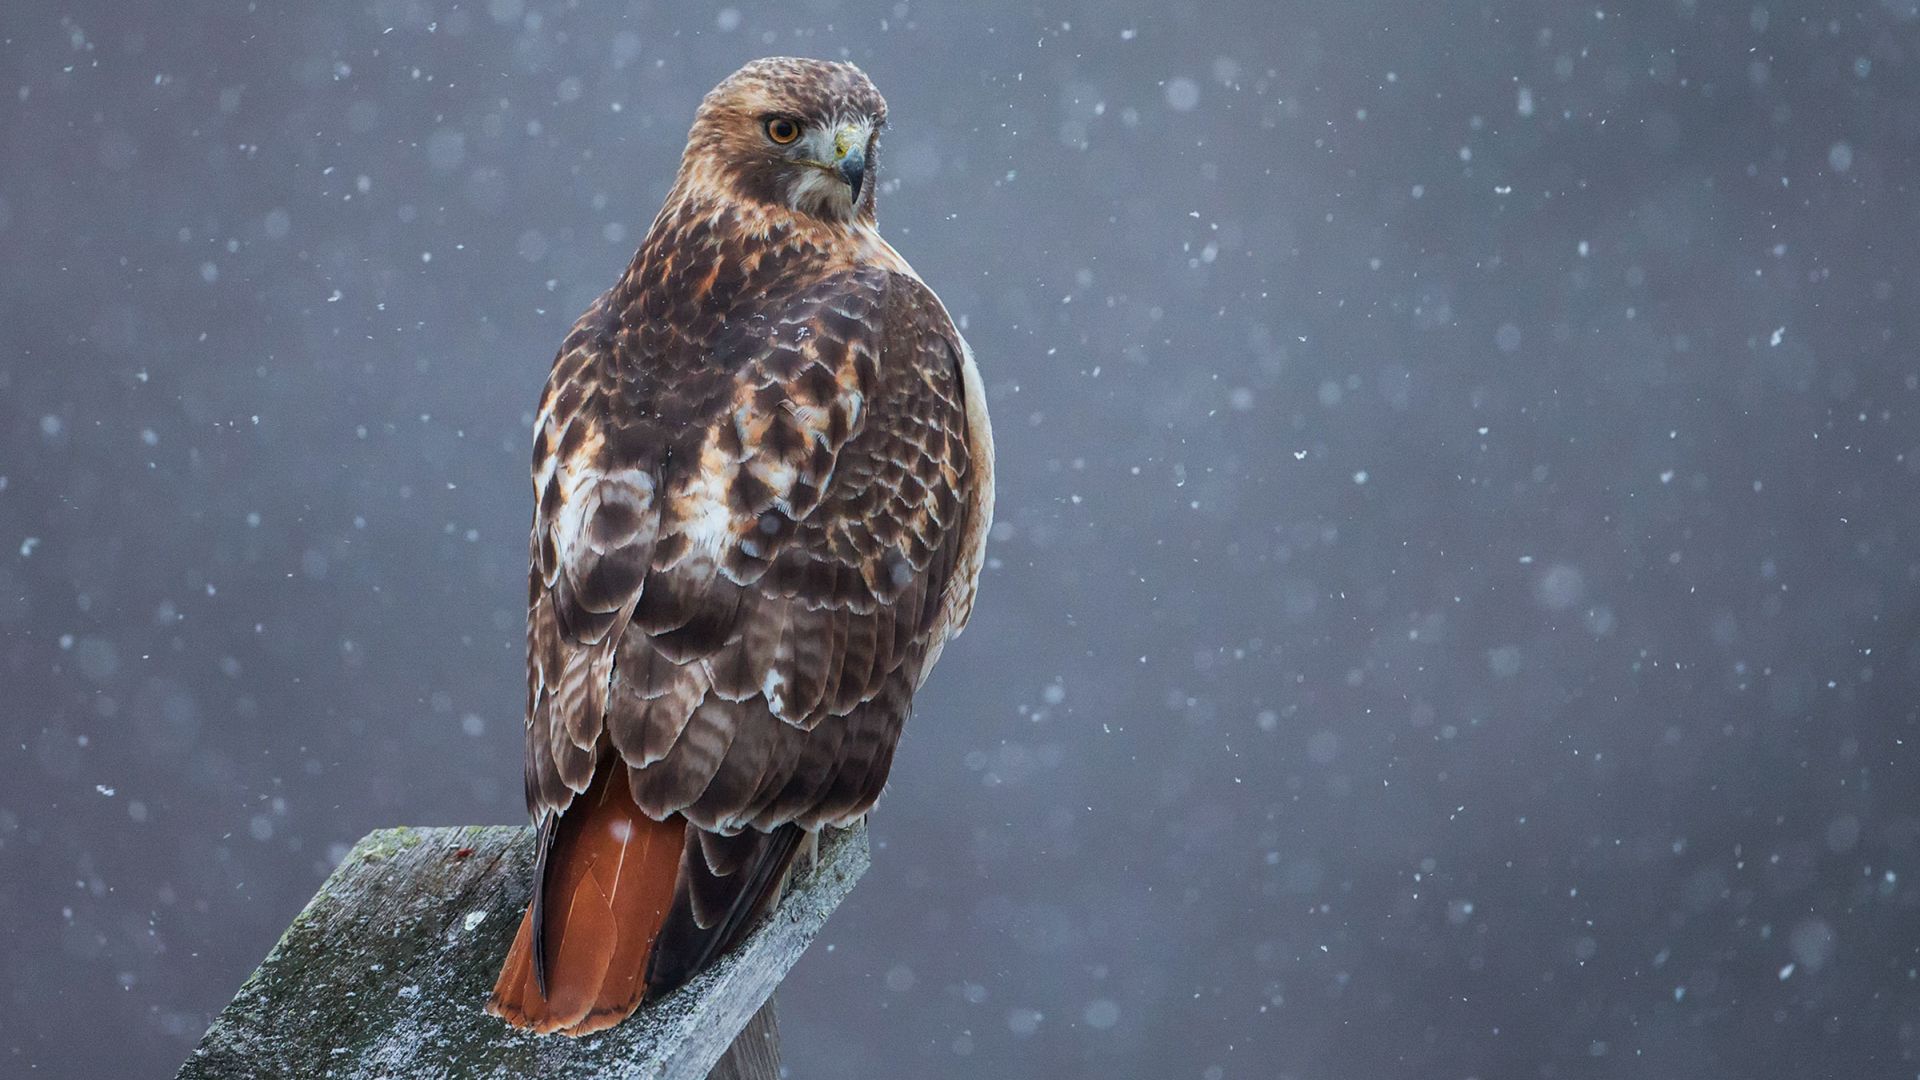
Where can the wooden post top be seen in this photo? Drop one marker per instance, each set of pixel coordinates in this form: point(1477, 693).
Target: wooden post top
point(385, 972)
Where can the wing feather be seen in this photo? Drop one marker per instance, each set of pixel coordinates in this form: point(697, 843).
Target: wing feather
point(745, 550)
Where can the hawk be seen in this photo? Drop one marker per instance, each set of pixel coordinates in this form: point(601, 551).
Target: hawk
point(764, 479)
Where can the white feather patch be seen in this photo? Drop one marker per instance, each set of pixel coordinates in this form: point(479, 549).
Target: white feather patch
point(705, 516)
point(583, 493)
point(771, 687)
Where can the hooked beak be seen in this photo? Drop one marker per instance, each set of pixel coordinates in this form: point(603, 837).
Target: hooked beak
point(850, 159)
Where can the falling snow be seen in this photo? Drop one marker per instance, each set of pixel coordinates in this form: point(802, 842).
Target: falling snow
point(1450, 607)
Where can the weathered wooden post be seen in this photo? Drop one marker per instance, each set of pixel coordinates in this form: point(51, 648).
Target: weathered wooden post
point(385, 973)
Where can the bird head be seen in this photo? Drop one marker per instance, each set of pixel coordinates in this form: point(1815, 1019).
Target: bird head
point(793, 134)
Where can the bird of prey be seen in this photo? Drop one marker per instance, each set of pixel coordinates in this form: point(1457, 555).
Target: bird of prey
point(764, 479)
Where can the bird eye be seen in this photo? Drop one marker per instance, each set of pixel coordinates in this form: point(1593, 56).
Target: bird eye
point(782, 130)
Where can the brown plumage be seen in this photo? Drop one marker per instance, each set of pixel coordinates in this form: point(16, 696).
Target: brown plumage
point(763, 479)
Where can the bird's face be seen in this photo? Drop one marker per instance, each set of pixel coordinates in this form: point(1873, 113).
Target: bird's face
point(799, 135)
point(821, 162)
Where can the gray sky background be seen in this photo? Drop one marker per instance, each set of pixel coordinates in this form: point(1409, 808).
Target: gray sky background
point(1453, 606)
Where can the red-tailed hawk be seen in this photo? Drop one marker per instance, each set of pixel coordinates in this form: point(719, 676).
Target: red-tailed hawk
point(764, 478)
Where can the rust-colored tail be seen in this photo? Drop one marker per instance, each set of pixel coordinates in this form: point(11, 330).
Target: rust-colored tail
point(603, 888)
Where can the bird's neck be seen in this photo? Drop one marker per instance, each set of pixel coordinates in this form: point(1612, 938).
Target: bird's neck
point(715, 251)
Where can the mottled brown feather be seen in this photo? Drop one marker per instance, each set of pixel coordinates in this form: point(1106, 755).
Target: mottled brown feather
point(762, 479)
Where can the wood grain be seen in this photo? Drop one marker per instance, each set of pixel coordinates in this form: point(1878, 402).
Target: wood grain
point(385, 972)
point(755, 1053)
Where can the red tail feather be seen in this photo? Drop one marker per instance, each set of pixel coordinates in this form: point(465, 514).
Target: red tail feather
point(609, 882)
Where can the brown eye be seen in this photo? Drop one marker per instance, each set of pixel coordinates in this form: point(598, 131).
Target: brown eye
point(782, 130)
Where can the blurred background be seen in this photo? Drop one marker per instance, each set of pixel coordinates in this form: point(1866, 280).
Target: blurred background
point(1452, 610)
